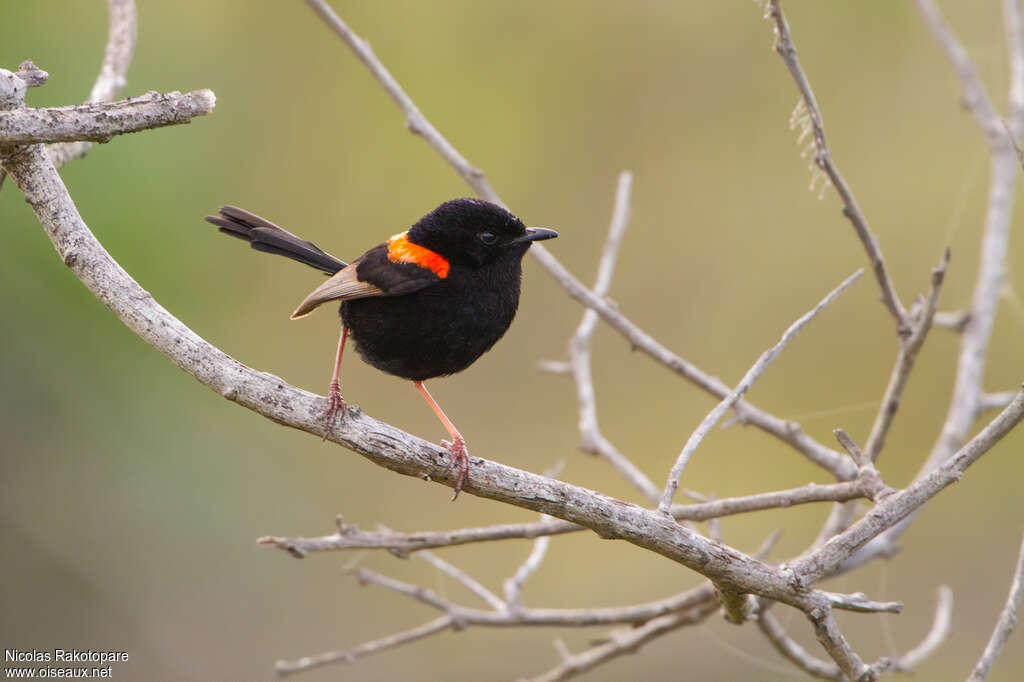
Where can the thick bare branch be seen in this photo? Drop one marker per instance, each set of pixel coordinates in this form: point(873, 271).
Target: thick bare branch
point(823, 158)
point(102, 121)
point(745, 383)
point(1004, 626)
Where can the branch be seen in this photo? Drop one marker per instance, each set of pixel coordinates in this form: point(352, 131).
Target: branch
point(1004, 626)
point(513, 587)
point(935, 637)
point(591, 439)
point(622, 642)
point(786, 431)
point(464, 578)
point(379, 442)
point(793, 652)
point(350, 536)
point(823, 158)
point(745, 383)
point(975, 96)
point(102, 121)
point(909, 350)
point(828, 559)
point(967, 401)
point(117, 57)
point(365, 649)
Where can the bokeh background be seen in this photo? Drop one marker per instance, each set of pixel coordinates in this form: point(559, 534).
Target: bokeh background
point(132, 496)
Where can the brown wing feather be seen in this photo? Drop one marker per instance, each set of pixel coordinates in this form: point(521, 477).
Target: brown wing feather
point(372, 274)
point(343, 286)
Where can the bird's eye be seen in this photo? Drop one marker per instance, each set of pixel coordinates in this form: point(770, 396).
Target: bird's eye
point(488, 237)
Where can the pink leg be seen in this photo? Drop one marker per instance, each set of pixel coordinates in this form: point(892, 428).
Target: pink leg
point(458, 445)
point(335, 403)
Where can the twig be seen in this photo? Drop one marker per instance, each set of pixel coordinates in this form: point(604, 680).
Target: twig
point(975, 96)
point(591, 439)
point(102, 121)
point(464, 578)
point(823, 158)
point(952, 320)
point(909, 350)
point(117, 57)
point(623, 642)
point(935, 637)
point(513, 586)
point(415, 121)
point(745, 383)
point(995, 401)
point(1004, 626)
point(793, 652)
point(350, 536)
point(365, 649)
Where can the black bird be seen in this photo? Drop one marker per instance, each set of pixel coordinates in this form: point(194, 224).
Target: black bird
point(426, 303)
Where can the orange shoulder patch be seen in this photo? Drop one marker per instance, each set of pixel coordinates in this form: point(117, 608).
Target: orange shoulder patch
point(401, 250)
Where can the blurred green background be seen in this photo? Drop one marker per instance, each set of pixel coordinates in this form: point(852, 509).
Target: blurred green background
point(132, 496)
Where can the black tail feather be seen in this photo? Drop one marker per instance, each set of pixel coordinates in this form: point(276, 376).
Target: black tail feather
point(265, 236)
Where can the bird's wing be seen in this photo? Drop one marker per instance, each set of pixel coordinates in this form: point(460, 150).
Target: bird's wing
point(375, 273)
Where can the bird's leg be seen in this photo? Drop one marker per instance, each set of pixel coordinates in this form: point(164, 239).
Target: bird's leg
point(335, 403)
point(458, 445)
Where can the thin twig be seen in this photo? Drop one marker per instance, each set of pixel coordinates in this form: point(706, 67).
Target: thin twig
point(936, 635)
point(909, 350)
point(745, 383)
point(823, 158)
point(414, 119)
point(463, 578)
point(350, 536)
point(975, 96)
point(372, 647)
point(117, 57)
point(622, 642)
point(1004, 626)
point(793, 652)
point(591, 439)
point(513, 587)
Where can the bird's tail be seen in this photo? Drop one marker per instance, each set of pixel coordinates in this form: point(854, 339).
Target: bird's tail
point(264, 235)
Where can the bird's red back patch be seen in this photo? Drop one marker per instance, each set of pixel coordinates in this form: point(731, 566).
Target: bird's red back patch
point(401, 250)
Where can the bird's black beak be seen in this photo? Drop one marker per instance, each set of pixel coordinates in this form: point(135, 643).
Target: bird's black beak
point(535, 234)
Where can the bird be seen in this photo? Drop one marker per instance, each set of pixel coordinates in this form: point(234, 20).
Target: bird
point(426, 303)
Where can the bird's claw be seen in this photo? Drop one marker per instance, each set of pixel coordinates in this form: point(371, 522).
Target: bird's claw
point(335, 404)
point(460, 456)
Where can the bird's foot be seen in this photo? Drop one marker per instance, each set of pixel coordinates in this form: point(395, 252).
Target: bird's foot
point(335, 404)
point(460, 457)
